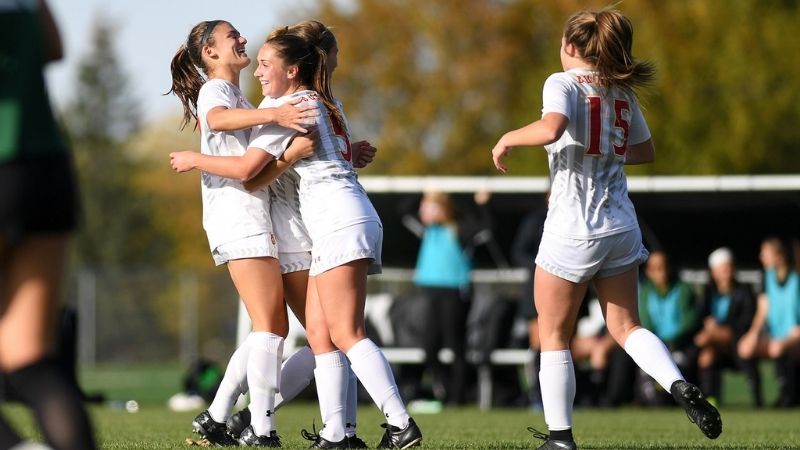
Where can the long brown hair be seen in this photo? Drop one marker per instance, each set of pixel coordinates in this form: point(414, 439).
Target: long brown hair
point(310, 60)
point(186, 79)
point(604, 39)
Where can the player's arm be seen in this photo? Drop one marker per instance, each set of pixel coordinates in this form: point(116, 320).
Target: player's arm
point(642, 153)
point(302, 146)
point(287, 115)
point(542, 132)
point(240, 168)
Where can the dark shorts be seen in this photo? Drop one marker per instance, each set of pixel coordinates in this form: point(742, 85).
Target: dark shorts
point(37, 196)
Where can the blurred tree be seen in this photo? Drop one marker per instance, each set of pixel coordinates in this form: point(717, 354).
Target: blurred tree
point(176, 209)
point(435, 84)
point(117, 225)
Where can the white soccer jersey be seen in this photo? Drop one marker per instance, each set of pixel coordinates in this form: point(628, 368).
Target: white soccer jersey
point(328, 196)
point(229, 211)
point(589, 192)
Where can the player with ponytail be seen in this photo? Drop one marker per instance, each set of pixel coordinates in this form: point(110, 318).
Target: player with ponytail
point(591, 127)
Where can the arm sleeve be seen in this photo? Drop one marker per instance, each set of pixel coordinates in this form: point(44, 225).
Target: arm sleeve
point(273, 139)
point(558, 95)
point(215, 93)
point(638, 131)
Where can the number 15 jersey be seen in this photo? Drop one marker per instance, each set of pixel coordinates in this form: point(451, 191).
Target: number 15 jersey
point(589, 192)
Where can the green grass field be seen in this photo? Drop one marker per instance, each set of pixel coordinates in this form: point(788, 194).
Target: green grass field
point(154, 427)
point(157, 428)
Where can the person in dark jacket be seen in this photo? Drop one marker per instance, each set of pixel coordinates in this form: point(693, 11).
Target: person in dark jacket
point(728, 309)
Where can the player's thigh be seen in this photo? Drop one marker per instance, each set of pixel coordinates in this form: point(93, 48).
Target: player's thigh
point(259, 284)
point(558, 302)
point(31, 285)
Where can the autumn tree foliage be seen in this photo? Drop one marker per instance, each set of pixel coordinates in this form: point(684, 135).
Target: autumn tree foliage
point(435, 83)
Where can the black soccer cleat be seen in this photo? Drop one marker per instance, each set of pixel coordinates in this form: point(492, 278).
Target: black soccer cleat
point(551, 444)
point(249, 438)
point(238, 422)
point(397, 438)
point(321, 442)
point(355, 442)
point(212, 431)
point(700, 411)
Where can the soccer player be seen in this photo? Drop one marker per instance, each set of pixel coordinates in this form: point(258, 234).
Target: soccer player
point(346, 237)
point(294, 247)
point(38, 205)
point(591, 126)
point(237, 222)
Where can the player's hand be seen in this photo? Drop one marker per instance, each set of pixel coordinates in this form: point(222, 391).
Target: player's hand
point(363, 154)
point(302, 146)
point(182, 161)
point(296, 117)
point(499, 152)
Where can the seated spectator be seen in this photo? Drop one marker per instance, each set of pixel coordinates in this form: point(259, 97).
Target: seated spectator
point(775, 332)
point(668, 308)
point(728, 310)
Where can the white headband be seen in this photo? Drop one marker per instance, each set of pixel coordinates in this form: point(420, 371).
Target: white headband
point(720, 256)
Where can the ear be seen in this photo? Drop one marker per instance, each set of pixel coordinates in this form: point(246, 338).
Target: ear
point(209, 52)
point(292, 71)
point(571, 50)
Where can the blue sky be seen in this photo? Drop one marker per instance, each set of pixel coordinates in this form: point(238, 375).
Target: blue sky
point(148, 34)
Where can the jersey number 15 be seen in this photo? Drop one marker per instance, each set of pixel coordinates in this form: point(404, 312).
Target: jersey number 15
point(620, 123)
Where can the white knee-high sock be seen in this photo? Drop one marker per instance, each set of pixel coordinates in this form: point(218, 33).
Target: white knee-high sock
point(557, 383)
point(233, 384)
point(263, 378)
point(296, 373)
point(331, 378)
point(351, 410)
point(652, 356)
point(373, 370)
